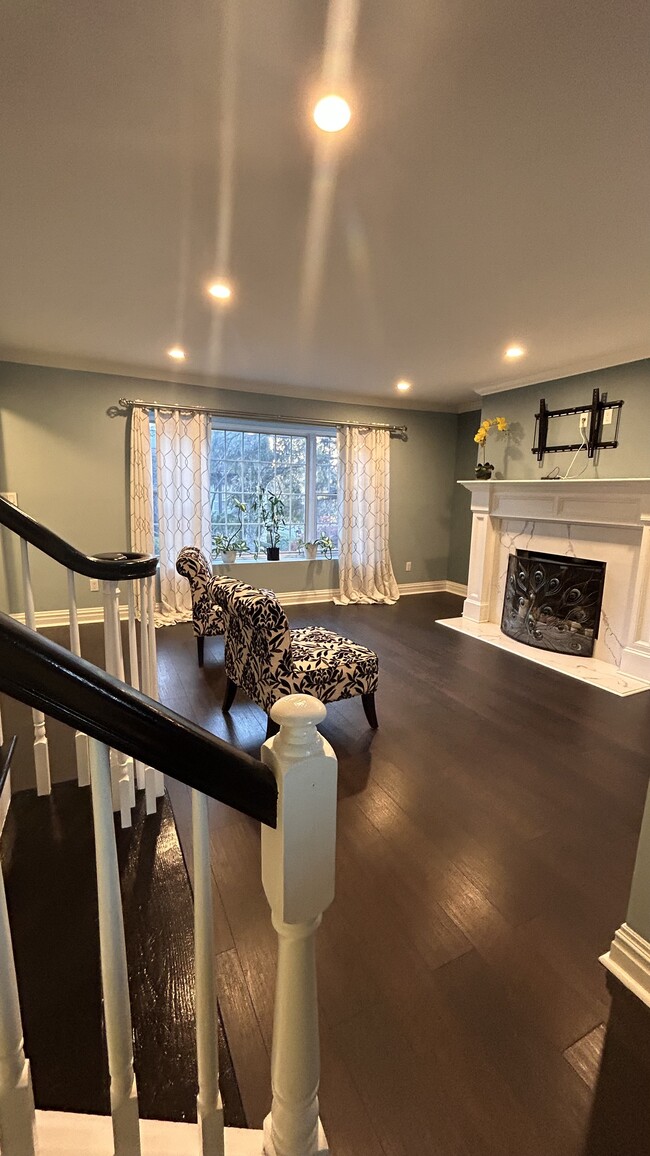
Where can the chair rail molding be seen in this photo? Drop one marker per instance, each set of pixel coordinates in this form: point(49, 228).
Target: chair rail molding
point(605, 519)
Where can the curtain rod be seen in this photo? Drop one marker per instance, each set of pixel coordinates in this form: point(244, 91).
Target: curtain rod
point(395, 431)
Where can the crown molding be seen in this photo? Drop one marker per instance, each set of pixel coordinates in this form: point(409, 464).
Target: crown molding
point(588, 365)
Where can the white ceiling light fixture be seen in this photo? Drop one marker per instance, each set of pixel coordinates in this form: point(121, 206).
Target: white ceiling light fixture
point(403, 386)
point(332, 113)
point(513, 352)
point(176, 353)
point(220, 290)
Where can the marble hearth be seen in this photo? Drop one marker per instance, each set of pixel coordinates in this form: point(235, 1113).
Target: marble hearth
point(607, 520)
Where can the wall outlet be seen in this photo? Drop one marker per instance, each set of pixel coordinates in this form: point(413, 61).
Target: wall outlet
point(408, 567)
point(584, 420)
point(607, 416)
point(94, 584)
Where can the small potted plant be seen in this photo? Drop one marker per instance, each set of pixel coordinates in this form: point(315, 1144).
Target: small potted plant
point(485, 469)
point(230, 545)
point(311, 548)
point(269, 509)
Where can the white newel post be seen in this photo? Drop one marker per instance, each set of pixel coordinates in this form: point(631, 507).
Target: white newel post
point(209, 1107)
point(122, 776)
point(115, 983)
point(298, 877)
point(41, 751)
point(80, 739)
point(481, 560)
point(17, 1121)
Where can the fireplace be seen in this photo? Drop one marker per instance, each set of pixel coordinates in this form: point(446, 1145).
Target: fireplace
point(552, 601)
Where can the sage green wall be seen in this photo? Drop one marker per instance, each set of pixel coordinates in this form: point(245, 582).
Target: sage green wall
point(461, 514)
point(512, 456)
point(638, 915)
point(65, 457)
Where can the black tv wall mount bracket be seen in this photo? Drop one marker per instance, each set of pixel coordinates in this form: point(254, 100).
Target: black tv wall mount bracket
point(596, 411)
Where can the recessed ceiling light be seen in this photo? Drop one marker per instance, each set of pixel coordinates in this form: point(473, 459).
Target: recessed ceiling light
point(403, 386)
point(332, 113)
point(220, 290)
point(176, 353)
point(514, 351)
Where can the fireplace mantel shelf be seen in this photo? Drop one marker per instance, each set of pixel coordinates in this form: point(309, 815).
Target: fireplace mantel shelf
point(606, 519)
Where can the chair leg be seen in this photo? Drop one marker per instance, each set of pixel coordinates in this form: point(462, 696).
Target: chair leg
point(229, 696)
point(368, 701)
point(272, 727)
point(200, 644)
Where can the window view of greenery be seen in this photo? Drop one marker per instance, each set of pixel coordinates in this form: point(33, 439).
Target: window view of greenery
point(300, 468)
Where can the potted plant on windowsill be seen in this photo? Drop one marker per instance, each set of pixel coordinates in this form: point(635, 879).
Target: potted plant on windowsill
point(230, 545)
point(311, 548)
point(269, 509)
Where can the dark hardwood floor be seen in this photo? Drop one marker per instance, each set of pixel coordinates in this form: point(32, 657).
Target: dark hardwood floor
point(486, 841)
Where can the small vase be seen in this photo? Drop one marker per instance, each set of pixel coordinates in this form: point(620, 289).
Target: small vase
point(312, 552)
point(273, 553)
point(230, 556)
point(484, 471)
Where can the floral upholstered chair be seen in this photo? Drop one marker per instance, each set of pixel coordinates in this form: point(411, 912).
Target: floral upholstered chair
point(267, 659)
point(207, 615)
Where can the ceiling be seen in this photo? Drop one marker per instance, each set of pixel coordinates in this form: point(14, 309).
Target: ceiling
point(493, 186)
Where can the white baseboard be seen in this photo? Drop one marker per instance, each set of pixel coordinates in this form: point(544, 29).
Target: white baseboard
point(87, 614)
point(68, 1134)
point(629, 960)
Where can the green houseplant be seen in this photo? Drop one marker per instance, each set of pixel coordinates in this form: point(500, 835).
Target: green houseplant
point(230, 545)
point(311, 548)
point(269, 510)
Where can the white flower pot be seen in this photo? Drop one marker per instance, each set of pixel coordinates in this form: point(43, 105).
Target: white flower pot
point(230, 556)
point(311, 552)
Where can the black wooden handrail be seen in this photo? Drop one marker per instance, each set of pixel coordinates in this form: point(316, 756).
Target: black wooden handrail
point(51, 679)
point(112, 567)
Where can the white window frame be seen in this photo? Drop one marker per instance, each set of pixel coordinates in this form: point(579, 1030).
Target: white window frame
point(286, 429)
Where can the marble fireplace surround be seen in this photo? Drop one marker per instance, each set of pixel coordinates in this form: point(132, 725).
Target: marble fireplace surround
point(604, 519)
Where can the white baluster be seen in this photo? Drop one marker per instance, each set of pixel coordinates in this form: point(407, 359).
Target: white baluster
point(208, 1104)
point(153, 666)
point(298, 878)
point(123, 791)
point(17, 1121)
point(134, 674)
point(41, 751)
point(80, 739)
point(115, 984)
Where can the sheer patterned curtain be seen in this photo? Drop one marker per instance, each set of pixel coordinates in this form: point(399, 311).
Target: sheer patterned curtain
point(141, 483)
point(182, 493)
point(365, 569)
point(184, 519)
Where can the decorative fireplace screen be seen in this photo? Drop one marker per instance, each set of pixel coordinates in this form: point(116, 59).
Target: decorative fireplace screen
point(553, 602)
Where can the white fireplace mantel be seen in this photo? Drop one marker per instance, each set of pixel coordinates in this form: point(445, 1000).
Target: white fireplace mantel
point(607, 519)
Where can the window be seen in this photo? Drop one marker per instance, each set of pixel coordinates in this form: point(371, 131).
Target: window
point(299, 466)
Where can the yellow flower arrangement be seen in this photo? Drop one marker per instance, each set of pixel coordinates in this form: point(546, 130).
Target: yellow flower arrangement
point(484, 470)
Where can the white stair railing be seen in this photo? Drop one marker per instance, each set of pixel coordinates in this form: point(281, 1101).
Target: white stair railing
point(298, 876)
point(209, 1108)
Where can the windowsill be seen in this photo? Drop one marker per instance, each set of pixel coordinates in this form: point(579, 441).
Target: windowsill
point(248, 560)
